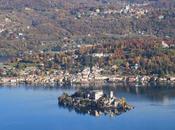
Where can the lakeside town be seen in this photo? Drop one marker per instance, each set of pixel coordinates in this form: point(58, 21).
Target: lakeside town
point(137, 61)
point(87, 64)
point(95, 42)
point(86, 77)
point(140, 61)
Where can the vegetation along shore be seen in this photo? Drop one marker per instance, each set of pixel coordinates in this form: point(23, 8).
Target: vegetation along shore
point(127, 61)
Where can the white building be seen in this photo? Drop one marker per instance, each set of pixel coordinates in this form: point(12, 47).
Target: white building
point(96, 94)
point(165, 45)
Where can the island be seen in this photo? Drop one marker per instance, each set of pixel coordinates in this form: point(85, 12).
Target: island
point(94, 102)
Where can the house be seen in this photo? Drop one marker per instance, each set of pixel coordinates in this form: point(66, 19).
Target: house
point(131, 79)
point(161, 17)
point(85, 74)
point(115, 78)
point(97, 10)
point(20, 34)
point(13, 80)
point(101, 54)
point(9, 80)
point(95, 94)
point(145, 79)
point(136, 66)
point(172, 78)
point(164, 44)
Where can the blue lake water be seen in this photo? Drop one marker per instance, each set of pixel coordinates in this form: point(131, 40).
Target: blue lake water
point(4, 58)
point(26, 108)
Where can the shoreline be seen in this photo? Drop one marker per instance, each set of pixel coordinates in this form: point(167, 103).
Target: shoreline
point(144, 81)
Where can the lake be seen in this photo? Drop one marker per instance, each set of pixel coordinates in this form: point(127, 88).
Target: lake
point(5, 58)
point(34, 108)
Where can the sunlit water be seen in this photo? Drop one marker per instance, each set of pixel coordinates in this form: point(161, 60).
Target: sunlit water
point(26, 108)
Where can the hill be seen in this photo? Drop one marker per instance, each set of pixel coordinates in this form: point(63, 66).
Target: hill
point(46, 25)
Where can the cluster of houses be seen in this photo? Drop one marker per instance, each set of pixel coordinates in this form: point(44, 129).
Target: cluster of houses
point(32, 75)
point(134, 10)
point(90, 75)
point(9, 29)
point(127, 9)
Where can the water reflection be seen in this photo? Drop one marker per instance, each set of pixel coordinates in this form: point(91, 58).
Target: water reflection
point(153, 93)
point(161, 94)
point(154, 109)
point(158, 93)
point(80, 111)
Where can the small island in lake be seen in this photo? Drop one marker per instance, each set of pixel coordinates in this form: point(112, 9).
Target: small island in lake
point(94, 102)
